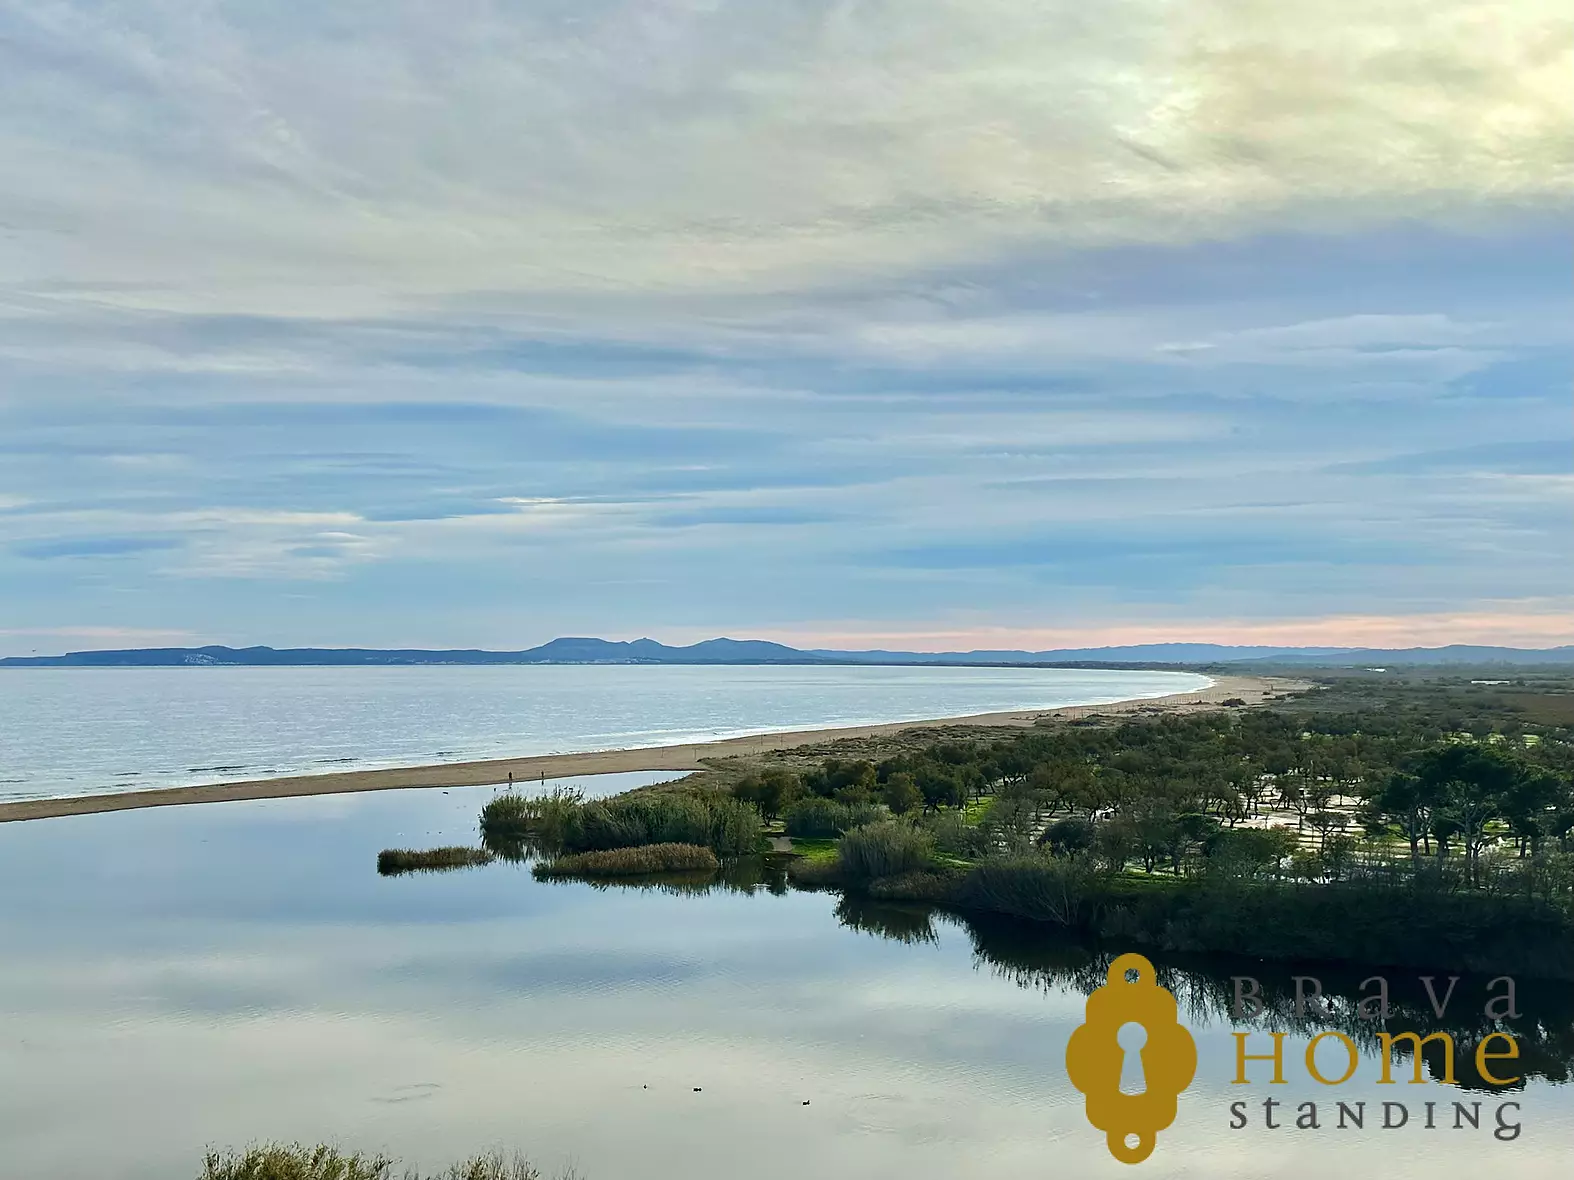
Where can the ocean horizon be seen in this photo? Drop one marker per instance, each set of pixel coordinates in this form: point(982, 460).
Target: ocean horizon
point(95, 731)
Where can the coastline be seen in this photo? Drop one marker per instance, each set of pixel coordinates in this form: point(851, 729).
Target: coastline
point(683, 758)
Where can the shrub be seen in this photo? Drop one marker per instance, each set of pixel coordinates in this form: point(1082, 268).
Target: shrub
point(628, 862)
point(393, 861)
point(1038, 887)
point(735, 827)
point(887, 848)
point(816, 817)
point(1067, 837)
point(954, 836)
point(926, 886)
point(814, 874)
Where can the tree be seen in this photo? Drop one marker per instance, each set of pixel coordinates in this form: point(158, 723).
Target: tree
point(1475, 782)
point(938, 785)
point(1408, 803)
point(1114, 842)
point(1156, 831)
point(901, 793)
point(772, 791)
point(1528, 806)
point(1336, 854)
point(1326, 821)
point(1068, 837)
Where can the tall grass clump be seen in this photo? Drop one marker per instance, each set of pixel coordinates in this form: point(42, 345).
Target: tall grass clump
point(817, 818)
point(1061, 890)
point(393, 861)
point(541, 818)
point(629, 820)
point(726, 826)
point(563, 822)
point(886, 848)
point(277, 1161)
point(735, 827)
point(630, 862)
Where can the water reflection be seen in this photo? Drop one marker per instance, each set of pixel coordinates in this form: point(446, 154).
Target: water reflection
point(185, 976)
point(1329, 997)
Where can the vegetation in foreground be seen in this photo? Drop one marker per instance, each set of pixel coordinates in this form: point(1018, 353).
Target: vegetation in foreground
point(277, 1161)
point(629, 862)
point(393, 861)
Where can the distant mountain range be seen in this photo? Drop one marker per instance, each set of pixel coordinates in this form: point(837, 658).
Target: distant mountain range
point(757, 651)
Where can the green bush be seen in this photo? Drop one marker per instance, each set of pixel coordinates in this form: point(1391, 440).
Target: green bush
point(1062, 891)
point(1067, 837)
point(735, 827)
point(932, 887)
point(814, 817)
point(887, 848)
point(628, 862)
point(954, 836)
point(772, 791)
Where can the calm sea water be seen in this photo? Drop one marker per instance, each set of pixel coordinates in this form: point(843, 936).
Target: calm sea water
point(70, 731)
point(210, 975)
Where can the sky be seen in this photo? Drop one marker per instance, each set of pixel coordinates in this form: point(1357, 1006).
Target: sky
point(934, 324)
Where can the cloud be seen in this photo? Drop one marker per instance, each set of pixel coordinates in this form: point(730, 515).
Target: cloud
point(93, 547)
point(493, 322)
point(220, 159)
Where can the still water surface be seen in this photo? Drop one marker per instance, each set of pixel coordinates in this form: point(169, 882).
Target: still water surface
point(72, 731)
point(216, 974)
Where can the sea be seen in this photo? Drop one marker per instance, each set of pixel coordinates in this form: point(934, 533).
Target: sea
point(76, 731)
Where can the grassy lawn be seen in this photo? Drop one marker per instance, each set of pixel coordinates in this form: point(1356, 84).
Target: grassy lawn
point(818, 848)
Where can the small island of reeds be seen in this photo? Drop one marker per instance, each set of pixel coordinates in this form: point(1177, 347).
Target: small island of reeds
point(561, 822)
point(630, 862)
point(393, 861)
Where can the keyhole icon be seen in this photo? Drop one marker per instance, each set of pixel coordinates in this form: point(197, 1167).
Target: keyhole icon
point(1131, 1058)
point(1131, 1038)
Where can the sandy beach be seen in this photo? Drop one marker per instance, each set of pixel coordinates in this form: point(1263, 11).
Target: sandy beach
point(680, 758)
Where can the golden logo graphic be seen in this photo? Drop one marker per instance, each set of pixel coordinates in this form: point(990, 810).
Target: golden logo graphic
point(1131, 1058)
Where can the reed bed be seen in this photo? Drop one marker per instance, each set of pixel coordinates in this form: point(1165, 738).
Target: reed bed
point(564, 823)
point(393, 861)
point(889, 848)
point(277, 1161)
point(630, 862)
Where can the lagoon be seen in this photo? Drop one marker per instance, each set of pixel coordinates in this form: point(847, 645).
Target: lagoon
point(213, 975)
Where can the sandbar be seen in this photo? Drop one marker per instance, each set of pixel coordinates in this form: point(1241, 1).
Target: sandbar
point(1252, 690)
